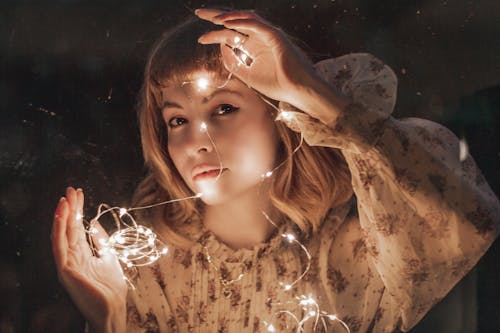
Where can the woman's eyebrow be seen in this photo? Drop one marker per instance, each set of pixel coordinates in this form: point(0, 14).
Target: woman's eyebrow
point(221, 91)
point(168, 104)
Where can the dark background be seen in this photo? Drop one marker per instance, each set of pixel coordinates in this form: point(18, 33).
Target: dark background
point(69, 76)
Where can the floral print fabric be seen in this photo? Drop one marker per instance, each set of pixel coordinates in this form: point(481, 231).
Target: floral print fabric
point(421, 221)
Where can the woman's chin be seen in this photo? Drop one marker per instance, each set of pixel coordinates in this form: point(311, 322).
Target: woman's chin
point(209, 193)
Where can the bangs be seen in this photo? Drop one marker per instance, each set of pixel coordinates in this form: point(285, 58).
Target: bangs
point(178, 54)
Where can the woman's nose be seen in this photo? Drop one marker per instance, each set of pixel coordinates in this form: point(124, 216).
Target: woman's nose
point(199, 139)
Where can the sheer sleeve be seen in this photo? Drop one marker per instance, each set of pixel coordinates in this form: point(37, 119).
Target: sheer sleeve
point(370, 85)
point(426, 212)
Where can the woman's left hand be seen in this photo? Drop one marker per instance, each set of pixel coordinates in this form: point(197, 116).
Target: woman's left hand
point(278, 69)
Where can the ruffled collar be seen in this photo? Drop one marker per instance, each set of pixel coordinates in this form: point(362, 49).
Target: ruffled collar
point(208, 241)
point(205, 240)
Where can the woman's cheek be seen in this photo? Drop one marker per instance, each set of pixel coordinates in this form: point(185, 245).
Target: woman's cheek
point(175, 152)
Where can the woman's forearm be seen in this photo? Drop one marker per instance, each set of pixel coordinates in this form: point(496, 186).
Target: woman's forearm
point(315, 97)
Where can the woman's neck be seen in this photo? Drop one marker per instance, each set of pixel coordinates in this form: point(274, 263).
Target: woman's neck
point(240, 222)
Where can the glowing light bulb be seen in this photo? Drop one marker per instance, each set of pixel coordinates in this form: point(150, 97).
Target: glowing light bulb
point(312, 313)
point(94, 231)
point(308, 301)
point(288, 287)
point(203, 127)
point(208, 192)
point(271, 328)
point(237, 40)
point(206, 187)
point(332, 317)
point(202, 83)
point(102, 241)
point(244, 57)
point(123, 211)
point(289, 237)
point(78, 216)
point(199, 195)
point(164, 250)
point(267, 174)
point(287, 116)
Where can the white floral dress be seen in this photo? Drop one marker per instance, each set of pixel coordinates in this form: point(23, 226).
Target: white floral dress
point(422, 219)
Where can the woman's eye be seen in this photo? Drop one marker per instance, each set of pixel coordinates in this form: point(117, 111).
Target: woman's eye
point(225, 109)
point(176, 122)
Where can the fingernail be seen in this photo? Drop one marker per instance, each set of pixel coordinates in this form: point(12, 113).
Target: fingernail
point(62, 199)
point(79, 189)
point(196, 11)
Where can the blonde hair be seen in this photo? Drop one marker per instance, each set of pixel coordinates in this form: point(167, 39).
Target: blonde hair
point(314, 179)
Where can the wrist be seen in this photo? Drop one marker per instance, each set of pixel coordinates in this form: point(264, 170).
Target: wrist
point(114, 321)
point(315, 97)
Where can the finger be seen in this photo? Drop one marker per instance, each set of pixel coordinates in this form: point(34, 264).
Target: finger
point(75, 230)
point(58, 235)
point(237, 15)
point(208, 14)
point(252, 26)
point(225, 36)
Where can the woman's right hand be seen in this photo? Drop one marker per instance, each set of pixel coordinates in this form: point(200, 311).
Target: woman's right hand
point(96, 285)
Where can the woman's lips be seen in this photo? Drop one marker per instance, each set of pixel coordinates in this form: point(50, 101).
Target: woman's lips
point(208, 174)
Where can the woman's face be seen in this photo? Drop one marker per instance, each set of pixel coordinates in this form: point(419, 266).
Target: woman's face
point(240, 134)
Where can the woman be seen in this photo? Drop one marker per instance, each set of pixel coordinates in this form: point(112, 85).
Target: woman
point(422, 219)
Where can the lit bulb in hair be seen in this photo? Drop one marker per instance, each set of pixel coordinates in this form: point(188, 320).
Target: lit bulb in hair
point(202, 83)
point(203, 127)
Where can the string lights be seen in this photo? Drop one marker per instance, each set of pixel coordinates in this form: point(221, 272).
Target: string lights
point(307, 312)
point(136, 245)
point(306, 308)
